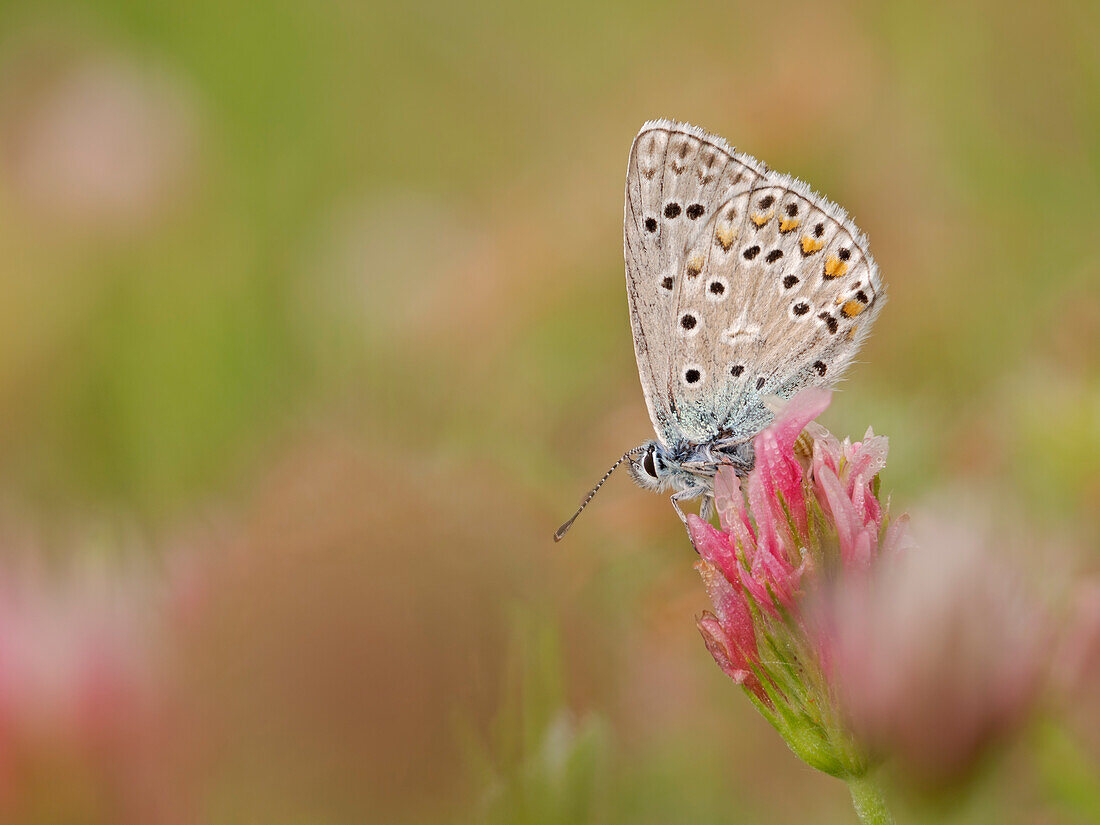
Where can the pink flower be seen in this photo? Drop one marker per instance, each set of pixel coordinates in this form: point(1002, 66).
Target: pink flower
point(766, 522)
point(787, 524)
point(778, 479)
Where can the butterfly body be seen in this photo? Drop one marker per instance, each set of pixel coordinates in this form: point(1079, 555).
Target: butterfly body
point(686, 469)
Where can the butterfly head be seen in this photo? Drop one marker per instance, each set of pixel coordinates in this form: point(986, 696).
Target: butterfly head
point(654, 468)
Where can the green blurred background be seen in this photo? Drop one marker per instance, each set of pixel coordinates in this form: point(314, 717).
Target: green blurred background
point(330, 295)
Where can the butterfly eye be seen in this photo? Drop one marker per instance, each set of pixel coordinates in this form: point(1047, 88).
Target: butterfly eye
point(647, 463)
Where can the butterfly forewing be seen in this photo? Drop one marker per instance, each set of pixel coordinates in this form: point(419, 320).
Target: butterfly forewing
point(743, 284)
point(677, 177)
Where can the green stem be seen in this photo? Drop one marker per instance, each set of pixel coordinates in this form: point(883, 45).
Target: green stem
point(869, 804)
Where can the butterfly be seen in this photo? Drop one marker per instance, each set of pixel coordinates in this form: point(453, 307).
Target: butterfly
point(744, 285)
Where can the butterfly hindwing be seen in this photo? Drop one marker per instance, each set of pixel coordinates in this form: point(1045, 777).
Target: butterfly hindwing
point(785, 297)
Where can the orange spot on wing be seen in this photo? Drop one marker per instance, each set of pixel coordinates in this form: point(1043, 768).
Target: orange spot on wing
point(852, 308)
point(810, 245)
point(760, 219)
point(787, 224)
point(725, 237)
point(834, 267)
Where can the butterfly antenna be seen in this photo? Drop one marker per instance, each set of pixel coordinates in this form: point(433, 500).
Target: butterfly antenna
point(561, 531)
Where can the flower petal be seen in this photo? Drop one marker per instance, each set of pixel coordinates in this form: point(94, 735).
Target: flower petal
point(836, 504)
point(713, 546)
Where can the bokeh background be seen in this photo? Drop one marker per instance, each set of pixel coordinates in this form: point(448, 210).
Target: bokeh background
point(313, 328)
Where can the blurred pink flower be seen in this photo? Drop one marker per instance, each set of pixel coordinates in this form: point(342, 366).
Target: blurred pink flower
point(83, 733)
point(937, 655)
point(92, 141)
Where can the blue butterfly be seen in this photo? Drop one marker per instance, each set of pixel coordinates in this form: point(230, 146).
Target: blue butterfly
point(743, 284)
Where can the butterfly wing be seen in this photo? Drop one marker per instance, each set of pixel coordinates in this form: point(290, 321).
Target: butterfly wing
point(677, 177)
point(786, 294)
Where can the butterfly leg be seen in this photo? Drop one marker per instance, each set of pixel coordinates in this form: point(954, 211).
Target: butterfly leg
point(686, 495)
point(675, 499)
